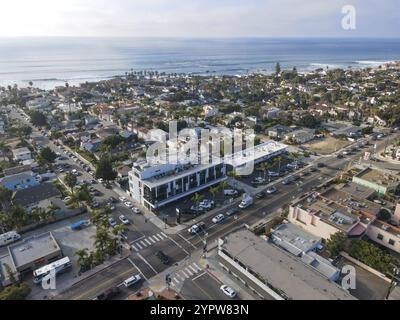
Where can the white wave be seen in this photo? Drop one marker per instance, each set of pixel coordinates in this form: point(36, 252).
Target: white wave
point(372, 62)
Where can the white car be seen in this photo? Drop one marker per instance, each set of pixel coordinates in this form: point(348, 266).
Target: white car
point(228, 291)
point(132, 280)
point(136, 210)
point(230, 192)
point(197, 228)
point(122, 199)
point(129, 204)
point(271, 190)
point(124, 220)
point(219, 218)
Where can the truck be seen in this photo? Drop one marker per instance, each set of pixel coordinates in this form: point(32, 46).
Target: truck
point(246, 202)
point(9, 237)
point(79, 225)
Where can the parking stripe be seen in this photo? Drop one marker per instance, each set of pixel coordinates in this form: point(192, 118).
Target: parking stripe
point(148, 242)
point(143, 244)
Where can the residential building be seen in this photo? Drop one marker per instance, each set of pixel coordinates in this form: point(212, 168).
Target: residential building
point(30, 198)
point(278, 131)
point(210, 111)
point(273, 113)
point(385, 234)
point(21, 154)
point(154, 186)
point(273, 273)
point(301, 136)
point(39, 104)
point(23, 180)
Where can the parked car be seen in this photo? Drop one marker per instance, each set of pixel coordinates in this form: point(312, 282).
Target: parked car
point(128, 204)
point(273, 174)
point(228, 291)
point(124, 220)
point(163, 257)
point(136, 210)
point(219, 218)
point(258, 181)
point(230, 192)
point(132, 280)
point(112, 222)
point(122, 199)
point(207, 204)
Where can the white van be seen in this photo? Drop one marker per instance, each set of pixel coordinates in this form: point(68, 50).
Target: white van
point(132, 280)
point(9, 237)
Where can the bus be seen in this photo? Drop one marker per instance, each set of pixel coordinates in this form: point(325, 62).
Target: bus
point(59, 266)
point(8, 238)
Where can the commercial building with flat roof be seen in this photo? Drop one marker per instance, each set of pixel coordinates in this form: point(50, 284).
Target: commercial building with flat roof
point(273, 272)
point(33, 253)
point(379, 180)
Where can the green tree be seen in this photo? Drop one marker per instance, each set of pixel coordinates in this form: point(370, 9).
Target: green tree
point(278, 68)
point(197, 199)
point(38, 119)
point(70, 181)
point(84, 258)
point(104, 170)
point(15, 292)
point(47, 155)
point(5, 198)
point(214, 191)
point(336, 243)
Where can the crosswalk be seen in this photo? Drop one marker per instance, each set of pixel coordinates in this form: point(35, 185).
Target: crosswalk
point(185, 273)
point(148, 241)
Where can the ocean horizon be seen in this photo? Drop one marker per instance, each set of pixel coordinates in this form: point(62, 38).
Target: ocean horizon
point(50, 62)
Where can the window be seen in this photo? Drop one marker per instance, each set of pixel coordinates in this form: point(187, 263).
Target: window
point(392, 242)
point(380, 237)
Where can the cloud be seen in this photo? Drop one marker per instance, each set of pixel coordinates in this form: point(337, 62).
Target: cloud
point(194, 18)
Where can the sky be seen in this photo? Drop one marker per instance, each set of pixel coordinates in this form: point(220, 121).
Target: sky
point(197, 18)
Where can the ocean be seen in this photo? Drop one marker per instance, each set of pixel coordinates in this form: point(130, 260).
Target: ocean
point(49, 62)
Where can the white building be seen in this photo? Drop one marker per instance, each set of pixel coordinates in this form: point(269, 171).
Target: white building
point(210, 111)
point(22, 154)
point(154, 186)
point(38, 104)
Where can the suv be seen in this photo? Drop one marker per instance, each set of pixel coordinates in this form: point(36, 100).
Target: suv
point(232, 212)
point(197, 228)
point(163, 257)
point(132, 280)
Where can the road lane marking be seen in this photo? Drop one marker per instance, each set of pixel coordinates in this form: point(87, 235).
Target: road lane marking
point(183, 249)
point(156, 237)
point(183, 238)
point(182, 278)
point(143, 244)
point(193, 269)
point(146, 262)
point(176, 280)
point(136, 249)
point(129, 259)
point(148, 242)
point(190, 272)
point(199, 276)
point(139, 246)
point(164, 235)
point(184, 273)
point(202, 290)
point(152, 240)
point(195, 264)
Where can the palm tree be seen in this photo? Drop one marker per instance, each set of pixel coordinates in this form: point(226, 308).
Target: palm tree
point(264, 167)
point(214, 191)
point(197, 198)
point(278, 160)
point(70, 181)
point(83, 255)
point(294, 156)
